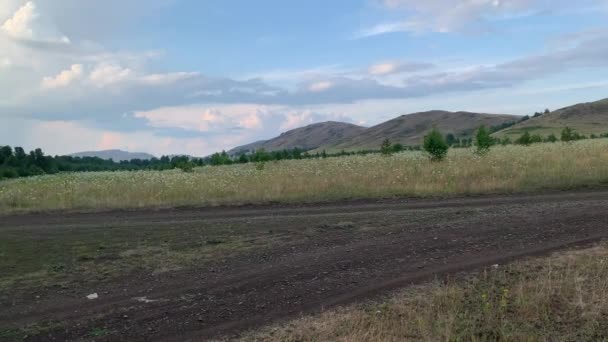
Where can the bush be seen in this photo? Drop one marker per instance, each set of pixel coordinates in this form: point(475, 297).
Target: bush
point(483, 140)
point(552, 138)
point(386, 147)
point(397, 147)
point(568, 134)
point(525, 139)
point(435, 145)
point(186, 167)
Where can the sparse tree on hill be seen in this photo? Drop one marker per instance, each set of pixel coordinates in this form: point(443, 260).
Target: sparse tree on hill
point(450, 139)
point(397, 147)
point(435, 145)
point(385, 148)
point(525, 139)
point(483, 140)
point(568, 134)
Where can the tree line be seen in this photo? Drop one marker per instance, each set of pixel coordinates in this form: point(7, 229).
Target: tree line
point(15, 162)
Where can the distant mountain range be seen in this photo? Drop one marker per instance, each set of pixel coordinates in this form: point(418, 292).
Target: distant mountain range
point(406, 129)
point(585, 118)
point(306, 138)
point(116, 155)
point(409, 130)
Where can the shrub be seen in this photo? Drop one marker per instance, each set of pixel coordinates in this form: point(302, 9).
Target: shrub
point(386, 147)
point(525, 139)
point(483, 140)
point(536, 138)
point(568, 134)
point(435, 145)
point(397, 147)
point(551, 138)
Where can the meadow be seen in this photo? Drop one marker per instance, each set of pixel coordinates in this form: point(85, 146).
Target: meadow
point(504, 169)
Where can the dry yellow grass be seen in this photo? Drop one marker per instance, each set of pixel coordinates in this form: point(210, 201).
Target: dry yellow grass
point(561, 298)
point(503, 169)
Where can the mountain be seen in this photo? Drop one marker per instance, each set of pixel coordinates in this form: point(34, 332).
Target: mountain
point(116, 155)
point(306, 138)
point(585, 118)
point(410, 129)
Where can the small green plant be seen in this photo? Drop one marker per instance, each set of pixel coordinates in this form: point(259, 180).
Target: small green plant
point(386, 148)
point(525, 139)
point(260, 166)
point(435, 145)
point(483, 140)
point(551, 138)
point(568, 134)
point(186, 167)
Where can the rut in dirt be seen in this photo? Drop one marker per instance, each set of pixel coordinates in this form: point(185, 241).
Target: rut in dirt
point(331, 254)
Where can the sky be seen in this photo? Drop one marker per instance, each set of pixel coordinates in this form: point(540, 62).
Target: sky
point(199, 76)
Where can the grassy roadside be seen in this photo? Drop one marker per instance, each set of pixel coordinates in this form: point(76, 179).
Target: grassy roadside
point(559, 298)
point(504, 169)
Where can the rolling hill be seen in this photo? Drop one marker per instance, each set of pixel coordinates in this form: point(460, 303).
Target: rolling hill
point(307, 138)
point(410, 129)
point(585, 118)
point(116, 155)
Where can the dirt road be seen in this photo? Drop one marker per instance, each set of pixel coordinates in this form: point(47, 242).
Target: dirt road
point(317, 256)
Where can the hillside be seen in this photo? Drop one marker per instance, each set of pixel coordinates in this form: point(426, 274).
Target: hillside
point(410, 129)
point(116, 155)
point(585, 118)
point(306, 138)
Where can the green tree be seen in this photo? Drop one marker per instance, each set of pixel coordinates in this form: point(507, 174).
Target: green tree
point(243, 159)
point(551, 138)
point(525, 139)
point(483, 140)
point(568, 134)
point(397, 147)
point(450, 139)
point(435, 145)
point(385, 148)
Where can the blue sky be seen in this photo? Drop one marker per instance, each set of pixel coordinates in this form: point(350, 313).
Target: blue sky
point(194, 77)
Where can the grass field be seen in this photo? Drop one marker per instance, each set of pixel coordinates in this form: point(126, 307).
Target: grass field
point(503, 169)
point(559, 298)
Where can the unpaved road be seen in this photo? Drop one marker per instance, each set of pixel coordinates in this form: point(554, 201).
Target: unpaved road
point(325, 255)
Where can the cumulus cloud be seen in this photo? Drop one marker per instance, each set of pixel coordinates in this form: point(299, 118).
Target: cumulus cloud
point(64, 78)
point(29, 25)
point(107, 74)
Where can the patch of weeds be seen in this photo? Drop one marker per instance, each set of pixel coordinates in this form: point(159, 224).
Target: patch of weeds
point(85, 257)
point(58, 268)
point(42, 328)
point(11, 335)
point(99, 332)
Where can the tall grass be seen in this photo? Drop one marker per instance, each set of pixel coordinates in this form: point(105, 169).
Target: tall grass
point(503, 169)
point(562, 298)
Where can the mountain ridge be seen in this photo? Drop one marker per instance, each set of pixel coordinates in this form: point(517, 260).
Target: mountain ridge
point(114, 154)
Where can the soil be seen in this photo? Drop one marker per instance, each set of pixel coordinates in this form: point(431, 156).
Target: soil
point(326, 255)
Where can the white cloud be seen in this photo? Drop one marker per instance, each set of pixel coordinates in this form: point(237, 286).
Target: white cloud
point(107, 74)
point(320, 86)
point(64, 78)
point(395, 67)
point(454, 15)
point(28, 24)
point(170, 78)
